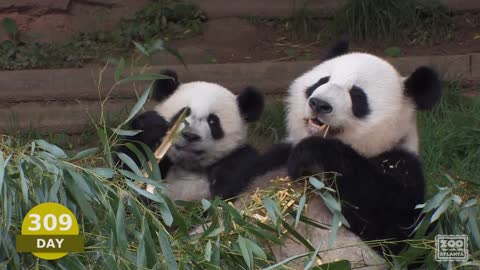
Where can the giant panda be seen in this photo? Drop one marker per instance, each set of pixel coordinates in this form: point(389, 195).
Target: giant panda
point(211, 150)
point(355, 115)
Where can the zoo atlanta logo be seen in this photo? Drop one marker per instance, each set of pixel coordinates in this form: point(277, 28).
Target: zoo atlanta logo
point(451, 248)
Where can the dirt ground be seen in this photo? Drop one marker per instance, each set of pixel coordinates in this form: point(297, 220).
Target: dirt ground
point(269, 40)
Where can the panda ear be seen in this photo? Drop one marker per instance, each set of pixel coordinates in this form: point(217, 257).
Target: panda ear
point(424, 87)
point(341, 47)
point(250, 102)
point(163, 88)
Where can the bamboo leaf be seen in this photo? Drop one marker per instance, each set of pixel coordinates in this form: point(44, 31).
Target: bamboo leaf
point(138, 106)
point(255, 249)
point(151, 251)
point(272, 210)
point(119, 69)
point(246, 252)
point(335, 225)
point(298, 236)
point(153, 163)
point(157, 184)
point(86, 153)
point(316, 183)
point(331, 202)
point(52, 149)
point(286, 261)
point(163, 206)
point(141, 254)
point(24, 184)
point(301, 205)
point(208, 251)
point(176, 53)
point(338, 265)
point(145, 77)
point(166, 249)
point(120, 226)
point(130, 163)
point(436, 200)
point(3, 165)
point(314, 256)
point(81, 200)
point(444, 206)
point(128, 133)
point(205, 204)
point(102, 172)
point(81, 183)
point(141, 48)
point(470, 203)
point(216, 232)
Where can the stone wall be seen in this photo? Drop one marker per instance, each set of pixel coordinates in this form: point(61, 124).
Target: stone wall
point(57, 20)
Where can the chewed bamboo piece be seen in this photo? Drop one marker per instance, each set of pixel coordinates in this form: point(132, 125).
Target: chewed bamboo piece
point(167, 142)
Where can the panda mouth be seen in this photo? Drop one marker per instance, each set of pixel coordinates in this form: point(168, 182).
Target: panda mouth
point(318, 128)
point(189, 150)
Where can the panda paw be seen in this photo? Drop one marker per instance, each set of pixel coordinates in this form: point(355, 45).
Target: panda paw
point(306, 158)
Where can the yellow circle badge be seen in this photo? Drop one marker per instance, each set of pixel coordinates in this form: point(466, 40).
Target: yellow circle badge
point(50, 231)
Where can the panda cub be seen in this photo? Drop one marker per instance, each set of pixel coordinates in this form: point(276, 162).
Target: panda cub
point(355, 115)
point(211, 150)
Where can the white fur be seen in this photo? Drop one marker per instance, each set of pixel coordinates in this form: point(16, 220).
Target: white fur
point(187, 186)
point(392, 120)
point(203, 99)
point(347, 245)
point(393, 115)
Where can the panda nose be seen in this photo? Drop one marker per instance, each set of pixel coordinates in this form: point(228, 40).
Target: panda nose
point(320, 106)
point(190, 137)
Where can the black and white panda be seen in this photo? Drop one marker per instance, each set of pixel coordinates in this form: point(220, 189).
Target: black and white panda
point(212, 149)
point(355, 115)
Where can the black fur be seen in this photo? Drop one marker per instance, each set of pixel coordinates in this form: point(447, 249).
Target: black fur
point(235, 173)
point(228, 176)
point(312, 88)
point(154, 127)
point(251, 104)
point(162, 89)
point(378, 194)
point(215, 126)
point(360, 107)
point(425, 87)
point(341, 47)
point(275, 157)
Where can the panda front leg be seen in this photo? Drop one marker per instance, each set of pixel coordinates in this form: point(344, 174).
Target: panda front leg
point(377, 202)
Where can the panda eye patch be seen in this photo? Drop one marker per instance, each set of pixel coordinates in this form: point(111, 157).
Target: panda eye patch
point(312, 88)
point(215, 127)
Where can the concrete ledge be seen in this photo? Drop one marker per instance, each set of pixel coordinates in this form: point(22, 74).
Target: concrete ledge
point(475, 65)
point(448, 66)
point(68, 117)
point(285, 8)
point(64, 100)
point(270, 77)
point(263, 8)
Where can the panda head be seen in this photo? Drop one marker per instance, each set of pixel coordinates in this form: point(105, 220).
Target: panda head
point(361, 100)
point(217, 118)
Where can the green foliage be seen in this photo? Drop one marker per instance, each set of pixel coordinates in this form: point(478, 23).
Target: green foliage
point(271, 127)
point(303, 23)
point(10, 27)
point(446, 214)
point(415, 20)
point(168, 19)
point(393, 52)
point(450, 140)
